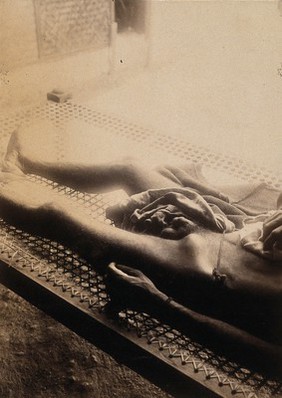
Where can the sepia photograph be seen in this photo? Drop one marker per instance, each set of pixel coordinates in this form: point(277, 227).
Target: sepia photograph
point(140, 198)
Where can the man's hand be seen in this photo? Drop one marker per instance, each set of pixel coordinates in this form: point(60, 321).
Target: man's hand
point(272, 231)
point(130, 288)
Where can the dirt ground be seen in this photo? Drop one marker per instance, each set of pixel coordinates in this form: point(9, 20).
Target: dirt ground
point(40, 357)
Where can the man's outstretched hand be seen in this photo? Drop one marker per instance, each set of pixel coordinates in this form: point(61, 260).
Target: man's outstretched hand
point(272, 231)
point(130, 288)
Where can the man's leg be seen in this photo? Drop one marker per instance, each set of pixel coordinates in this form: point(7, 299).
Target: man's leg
point(33, 149)
point(128, 174)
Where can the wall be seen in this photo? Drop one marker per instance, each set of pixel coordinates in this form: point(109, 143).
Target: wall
point(24, 76)
point(17, 32)
point(232, 56)
point(229, 86)
point(215, 29)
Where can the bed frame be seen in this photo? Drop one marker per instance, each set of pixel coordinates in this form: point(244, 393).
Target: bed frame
point(65, 286)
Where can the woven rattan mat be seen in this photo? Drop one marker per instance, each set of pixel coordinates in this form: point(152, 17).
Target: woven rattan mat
point(70, 277)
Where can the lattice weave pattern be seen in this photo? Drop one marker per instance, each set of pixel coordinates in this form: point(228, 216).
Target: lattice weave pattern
point(151, 142)
point(63, 268)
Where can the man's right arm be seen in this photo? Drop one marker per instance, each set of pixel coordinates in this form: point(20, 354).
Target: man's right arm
point(141, 294)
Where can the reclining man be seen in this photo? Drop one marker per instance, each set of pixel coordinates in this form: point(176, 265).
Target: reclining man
point(178, 237)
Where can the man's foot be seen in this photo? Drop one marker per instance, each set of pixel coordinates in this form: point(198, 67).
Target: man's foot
point(12, 162)
point(27, 205)
point(31, 145)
